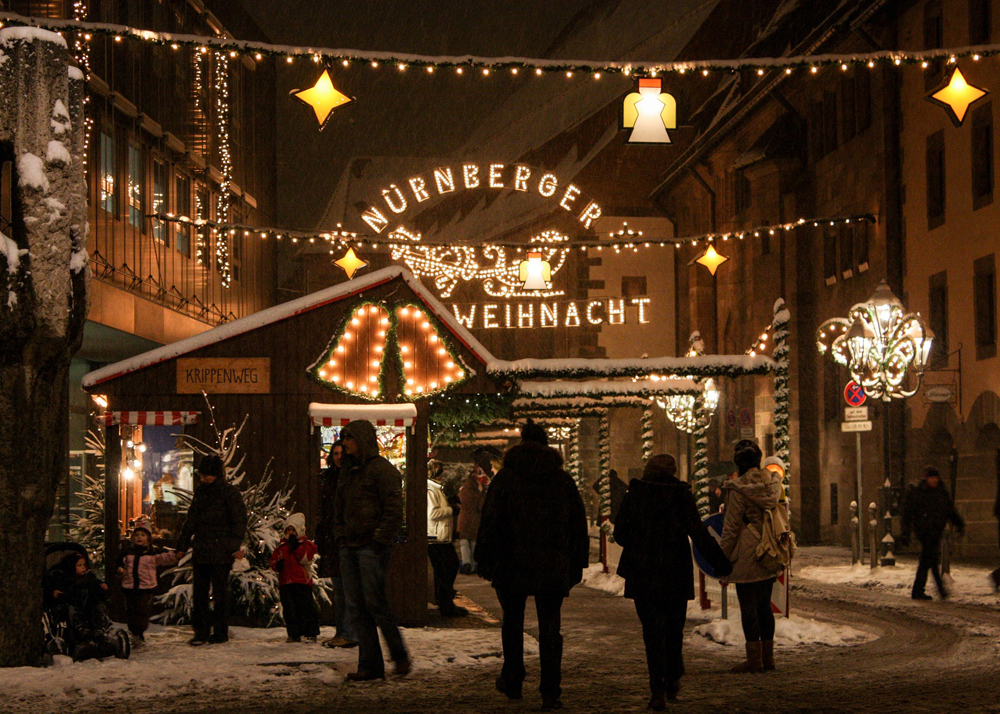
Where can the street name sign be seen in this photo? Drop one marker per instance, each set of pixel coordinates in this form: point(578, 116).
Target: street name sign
point(854, 426)
point(856, 414)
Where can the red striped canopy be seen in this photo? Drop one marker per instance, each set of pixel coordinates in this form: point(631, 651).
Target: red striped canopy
point(148, 418)
point(344, 421)
point(377, 414)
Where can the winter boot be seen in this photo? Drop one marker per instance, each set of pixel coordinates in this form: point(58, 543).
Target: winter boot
point(755, 659)
point(768, 655)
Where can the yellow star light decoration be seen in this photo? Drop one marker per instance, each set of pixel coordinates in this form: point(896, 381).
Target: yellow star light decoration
point(711, 259)
point(322, 97)
point(956, 96)
point(351, 263)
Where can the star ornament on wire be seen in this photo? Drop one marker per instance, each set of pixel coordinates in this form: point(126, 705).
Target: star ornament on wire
point(711, 259)
point(956, 96)
point(351, 263)
point(322, 97)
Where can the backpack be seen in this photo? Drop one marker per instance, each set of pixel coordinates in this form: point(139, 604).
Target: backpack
point(776, 547)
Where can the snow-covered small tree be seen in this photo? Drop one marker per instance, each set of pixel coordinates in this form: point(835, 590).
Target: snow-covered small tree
point(253, 584)
point(87, 528)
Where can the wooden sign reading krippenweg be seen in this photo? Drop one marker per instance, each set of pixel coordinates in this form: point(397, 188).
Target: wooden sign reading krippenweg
point(224, 375)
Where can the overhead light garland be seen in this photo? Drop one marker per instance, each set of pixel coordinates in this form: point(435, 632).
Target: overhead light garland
point(622, 240)
point(489, 66)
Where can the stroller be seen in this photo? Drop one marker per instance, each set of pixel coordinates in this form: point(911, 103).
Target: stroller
point(76, 624)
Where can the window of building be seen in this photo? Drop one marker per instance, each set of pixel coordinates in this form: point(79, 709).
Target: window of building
point(846, 231)
point(109, 169)
point(834, 504)
point(829, 122)
point(741, 191)
point(933, 39)
point(863, 100)
point(935, 180)
point(938, 314)
point(848, 105)
point(980, 17)
point(633, 286)
point(182, 207)
point(984, 291)
point(861, 229)
point(830, 254)
point(160, 199)
point(136, 182)
point(816, 131)
point(982, 156)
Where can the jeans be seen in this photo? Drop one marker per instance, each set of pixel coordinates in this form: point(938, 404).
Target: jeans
point(340, 615)
point(444, 561)
point(930, 559)
point(208, 614)
point(755, 610)
point(550, 642)
point(363, 570)
point(137, 607)
point(468, 547)
point(298, 608)
point(663, 633)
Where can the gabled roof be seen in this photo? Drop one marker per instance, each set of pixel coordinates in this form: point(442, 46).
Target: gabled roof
point(287, 310)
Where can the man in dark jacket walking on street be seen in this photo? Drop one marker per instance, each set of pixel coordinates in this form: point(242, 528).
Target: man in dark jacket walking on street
point(367, 518)
point(655, 520)
point(926, 511)
point(216, 523)
point(326, 541)
point(532, 541)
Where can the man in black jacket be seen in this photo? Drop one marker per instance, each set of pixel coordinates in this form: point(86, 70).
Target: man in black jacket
point(926, 511)
point(326, 542)
point(532, 541)
point(216, 523)
point(654, 523)
point(367, 518)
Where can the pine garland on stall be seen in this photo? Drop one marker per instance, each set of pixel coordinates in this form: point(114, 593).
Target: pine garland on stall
point(781, 394)
point(604, 491)
point(254, 585)
point(701, 457)
point(573, 458)
point(87, 528)
point(647, 434)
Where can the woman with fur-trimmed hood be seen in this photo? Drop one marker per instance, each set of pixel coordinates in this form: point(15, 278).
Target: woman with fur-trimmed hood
point(747, 496)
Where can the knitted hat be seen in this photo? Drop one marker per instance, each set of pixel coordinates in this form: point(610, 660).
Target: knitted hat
point(534, 433)
point(296, 521)
point(773, 463)
point(142, 524)
point(211, 465)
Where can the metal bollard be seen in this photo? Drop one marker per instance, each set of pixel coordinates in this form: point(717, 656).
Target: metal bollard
point(888, 542)
point(873, 534)
point(856, 554)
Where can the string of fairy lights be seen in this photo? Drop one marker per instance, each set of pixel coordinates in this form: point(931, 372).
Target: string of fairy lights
point(491, 66)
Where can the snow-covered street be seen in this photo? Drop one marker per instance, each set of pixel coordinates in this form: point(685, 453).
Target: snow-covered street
point(849, 647)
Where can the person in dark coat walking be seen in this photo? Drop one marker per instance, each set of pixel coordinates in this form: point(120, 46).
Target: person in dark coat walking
point(216, 525)
point(657, 517)
point(367, 518)
point(532, 541)
point(926, 511)
point(995, 575)
point(326, 542)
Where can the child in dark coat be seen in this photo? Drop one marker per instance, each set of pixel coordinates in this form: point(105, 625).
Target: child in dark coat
point(85, 597)
point(137, 568)
point(291, 560)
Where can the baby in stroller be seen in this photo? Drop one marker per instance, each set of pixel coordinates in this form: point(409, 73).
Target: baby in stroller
point(76, 611)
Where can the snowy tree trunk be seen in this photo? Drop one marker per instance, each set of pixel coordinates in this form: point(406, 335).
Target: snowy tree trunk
point(43, 305)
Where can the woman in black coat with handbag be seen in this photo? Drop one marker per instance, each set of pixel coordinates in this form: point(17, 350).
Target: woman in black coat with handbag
point(655, 520)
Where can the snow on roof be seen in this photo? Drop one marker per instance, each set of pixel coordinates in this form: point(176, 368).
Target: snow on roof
point(602, 388)
point(30, 34)
point(287, 310)
point(370, 412)
point(704, 365)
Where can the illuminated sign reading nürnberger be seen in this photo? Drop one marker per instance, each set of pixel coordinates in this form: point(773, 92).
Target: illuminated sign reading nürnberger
point(469, 176)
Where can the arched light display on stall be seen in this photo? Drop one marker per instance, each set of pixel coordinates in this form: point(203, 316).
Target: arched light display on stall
point(428, 364)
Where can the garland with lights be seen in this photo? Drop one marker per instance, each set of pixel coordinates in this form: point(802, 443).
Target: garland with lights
point(454, 417)
point(573, 465)
point(701, 486)
point(487, 65)
point(782, 395)
point(585, 368)
point(604, 479)
point(647, 433)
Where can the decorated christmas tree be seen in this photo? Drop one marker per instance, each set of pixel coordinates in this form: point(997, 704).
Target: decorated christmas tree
point(253, 584)
point(87, 528)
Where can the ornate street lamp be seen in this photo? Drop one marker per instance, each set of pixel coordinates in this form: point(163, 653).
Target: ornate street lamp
point(681, 409)
point(885, 348)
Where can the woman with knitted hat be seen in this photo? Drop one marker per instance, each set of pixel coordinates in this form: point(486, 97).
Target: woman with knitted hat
point(137, 568)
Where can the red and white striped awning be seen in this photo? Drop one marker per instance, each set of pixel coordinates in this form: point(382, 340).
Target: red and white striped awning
point(148, 418)
point(377, 414)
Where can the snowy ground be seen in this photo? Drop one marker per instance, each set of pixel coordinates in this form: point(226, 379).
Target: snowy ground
point(257, 660)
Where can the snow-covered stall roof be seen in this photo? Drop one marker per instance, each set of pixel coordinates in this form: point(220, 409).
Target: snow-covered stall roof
point(603, 388)
point(378, 414)
point(582, 367)
point(285, 311)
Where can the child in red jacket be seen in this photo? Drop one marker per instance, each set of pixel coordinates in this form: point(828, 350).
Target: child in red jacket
point(291, 559)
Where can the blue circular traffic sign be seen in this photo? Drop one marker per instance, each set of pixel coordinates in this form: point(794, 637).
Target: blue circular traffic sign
point(714, 525)
point(854, 394)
